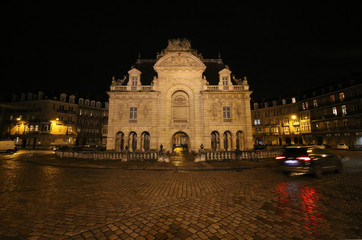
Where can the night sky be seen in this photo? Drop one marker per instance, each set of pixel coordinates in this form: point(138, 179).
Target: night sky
point(63, 46)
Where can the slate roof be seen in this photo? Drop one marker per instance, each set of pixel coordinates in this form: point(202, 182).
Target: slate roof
point(213, 66)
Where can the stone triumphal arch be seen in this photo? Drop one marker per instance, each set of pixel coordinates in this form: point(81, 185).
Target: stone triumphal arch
point(179, 98)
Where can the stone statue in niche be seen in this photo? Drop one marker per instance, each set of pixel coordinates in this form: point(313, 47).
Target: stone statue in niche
point(145, 111)
point(120, 113)
point(238, 111)
point(214, 111)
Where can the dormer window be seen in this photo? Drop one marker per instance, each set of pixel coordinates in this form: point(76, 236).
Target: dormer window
point(71, 99)
point(134, 79)
point(224, 78)
point(63, 97)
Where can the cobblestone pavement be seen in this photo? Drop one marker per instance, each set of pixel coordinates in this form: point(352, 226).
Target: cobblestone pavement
point(47, 202)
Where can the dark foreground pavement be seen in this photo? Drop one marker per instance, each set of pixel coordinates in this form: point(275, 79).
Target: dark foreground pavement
point(104, 201)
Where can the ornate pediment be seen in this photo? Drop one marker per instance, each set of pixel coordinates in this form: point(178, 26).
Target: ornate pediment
point(179, 60)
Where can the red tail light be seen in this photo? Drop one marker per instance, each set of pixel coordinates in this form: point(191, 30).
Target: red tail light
point(306, 159)
point(280, 157)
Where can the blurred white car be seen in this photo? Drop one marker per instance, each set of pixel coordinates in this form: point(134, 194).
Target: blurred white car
point(342, 146)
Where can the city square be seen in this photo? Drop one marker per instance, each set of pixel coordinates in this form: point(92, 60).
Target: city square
point(146, 120)
point(45, 201)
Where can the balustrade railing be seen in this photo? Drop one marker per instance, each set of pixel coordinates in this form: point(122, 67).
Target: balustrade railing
point(224, 88)
point(156, 156)
point(142, 156)
point(241, 155)
point(145, 88)
point(148, 88)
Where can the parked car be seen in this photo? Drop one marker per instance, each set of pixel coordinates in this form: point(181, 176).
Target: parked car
point(309, 160)
point(342, 146)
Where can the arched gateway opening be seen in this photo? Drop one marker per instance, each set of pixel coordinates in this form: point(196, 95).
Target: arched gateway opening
point(180, 140)
point(180, 149)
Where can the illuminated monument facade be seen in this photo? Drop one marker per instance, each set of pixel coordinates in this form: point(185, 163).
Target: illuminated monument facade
point(179, 99)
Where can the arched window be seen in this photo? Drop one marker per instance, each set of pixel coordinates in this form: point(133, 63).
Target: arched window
point(145, 141)
point(120, 141)
point(239, 140)
point(227, 141)
point(132, 141)
point(215, 141)
point(180, 108)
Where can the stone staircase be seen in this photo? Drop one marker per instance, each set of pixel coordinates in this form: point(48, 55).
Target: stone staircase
point(180, 158)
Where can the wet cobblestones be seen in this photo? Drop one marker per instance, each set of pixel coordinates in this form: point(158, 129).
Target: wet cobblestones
point(43, 202)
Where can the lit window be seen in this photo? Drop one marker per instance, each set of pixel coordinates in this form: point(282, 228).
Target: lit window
point(333, 98)
point(344, 109)
point(226, 113)
point(133, 113)
point(257, 122)
point(36, 128)
point(334, 110)
point(341, 96)
point(294, 100)
point(315, 103)
point(286, 130)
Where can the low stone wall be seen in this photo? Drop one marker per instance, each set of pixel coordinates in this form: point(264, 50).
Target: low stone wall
point(164, 157)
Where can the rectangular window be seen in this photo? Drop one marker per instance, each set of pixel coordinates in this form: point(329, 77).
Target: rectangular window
point(133, 114)
point(134, 81)
point(225, 81)
point(332, 98)
point(286, 130)
point(344, 110)
point(226, 114)
point(334, 110)
point(315, 103)
point(341, 96)
point(345, 123)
